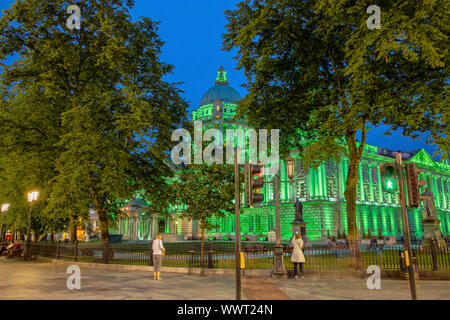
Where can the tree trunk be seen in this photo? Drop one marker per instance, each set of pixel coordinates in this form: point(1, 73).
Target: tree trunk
point(73, 228)
point(202, 248)
point(350, 198)
point(102, 217)
point(103, 222)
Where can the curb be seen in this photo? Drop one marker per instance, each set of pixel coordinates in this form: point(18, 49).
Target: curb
point(197, 271)
point(266, 274)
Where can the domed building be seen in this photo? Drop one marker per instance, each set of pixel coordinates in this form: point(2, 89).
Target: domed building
point(321, 191)
point(218, 105)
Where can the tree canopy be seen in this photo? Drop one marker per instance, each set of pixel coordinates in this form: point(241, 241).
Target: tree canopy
point(315, 66)
point(95, 110)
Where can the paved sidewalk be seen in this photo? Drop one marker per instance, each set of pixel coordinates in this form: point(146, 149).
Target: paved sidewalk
point(356, 289)
point(262, 289)
point(35, 280)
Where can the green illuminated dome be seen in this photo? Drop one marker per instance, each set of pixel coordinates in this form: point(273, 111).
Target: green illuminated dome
point(221, 91)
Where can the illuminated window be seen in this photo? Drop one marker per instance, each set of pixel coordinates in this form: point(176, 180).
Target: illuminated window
point(218, 108)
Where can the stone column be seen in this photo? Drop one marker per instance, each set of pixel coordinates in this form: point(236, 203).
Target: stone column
point(361, 183)
point(443, 194)
point(372, 196)
point(171, 225)
point(136, 220)
point(380, 188)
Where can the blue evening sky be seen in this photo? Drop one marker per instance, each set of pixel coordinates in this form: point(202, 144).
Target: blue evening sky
point(192, 31)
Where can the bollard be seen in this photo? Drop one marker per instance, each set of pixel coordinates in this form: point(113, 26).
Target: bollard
point(57, 249)
point(75, 257)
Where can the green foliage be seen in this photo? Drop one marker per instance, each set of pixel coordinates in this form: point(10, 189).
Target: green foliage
point(86, 114)
point(315, 66)
point(206, 191)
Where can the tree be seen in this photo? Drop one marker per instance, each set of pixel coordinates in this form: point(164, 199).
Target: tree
point(205, 191)
point(114, 111)
point(27, 135)
point(315, 67)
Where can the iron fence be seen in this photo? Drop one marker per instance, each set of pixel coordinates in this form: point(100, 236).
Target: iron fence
point(257, 255)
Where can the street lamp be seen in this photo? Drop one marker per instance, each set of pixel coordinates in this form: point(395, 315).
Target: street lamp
point(4, 209)
point(278, 268)
point(290, 166)
point(32, 197)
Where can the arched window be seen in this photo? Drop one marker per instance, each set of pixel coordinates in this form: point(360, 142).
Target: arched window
point(162, 226)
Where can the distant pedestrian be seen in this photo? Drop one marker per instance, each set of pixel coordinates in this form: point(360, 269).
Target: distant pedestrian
point(158, 252)
point(297, 254)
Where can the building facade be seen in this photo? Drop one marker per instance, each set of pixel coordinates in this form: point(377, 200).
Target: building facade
point(320, 190)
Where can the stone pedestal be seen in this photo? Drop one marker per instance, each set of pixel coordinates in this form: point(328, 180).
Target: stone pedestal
point(279, 270)
point(300, 227)
point(432, 231)
point(272, 236)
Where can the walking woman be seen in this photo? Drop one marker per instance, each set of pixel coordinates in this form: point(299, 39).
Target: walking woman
point(158, 252)
point(297, 254)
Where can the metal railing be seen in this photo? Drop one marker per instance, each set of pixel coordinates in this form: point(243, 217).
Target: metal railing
point(257, 255)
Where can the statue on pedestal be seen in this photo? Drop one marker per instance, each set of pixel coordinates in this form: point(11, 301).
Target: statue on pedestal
point(431, 229)
point(298, 210)
point(428, 203)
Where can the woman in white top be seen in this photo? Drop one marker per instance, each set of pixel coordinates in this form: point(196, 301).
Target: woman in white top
point(158, 252)
point(297, 254)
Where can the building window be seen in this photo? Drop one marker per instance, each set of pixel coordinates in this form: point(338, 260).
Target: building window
point(217, 224)
point(375, 193)
point(332, 188)
point(366, 191)
point(271, 221)
point(251, 227)
point(300, 187)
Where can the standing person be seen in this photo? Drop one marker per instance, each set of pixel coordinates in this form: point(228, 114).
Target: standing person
point(158, 252)
point(297, 254)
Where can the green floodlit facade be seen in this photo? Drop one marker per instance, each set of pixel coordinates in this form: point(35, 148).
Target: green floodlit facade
point(321, 190)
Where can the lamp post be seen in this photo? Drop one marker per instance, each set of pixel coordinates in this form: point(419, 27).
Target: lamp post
point(290, 168)
point(32, 197)
point(278, 266)
point(4, 209)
